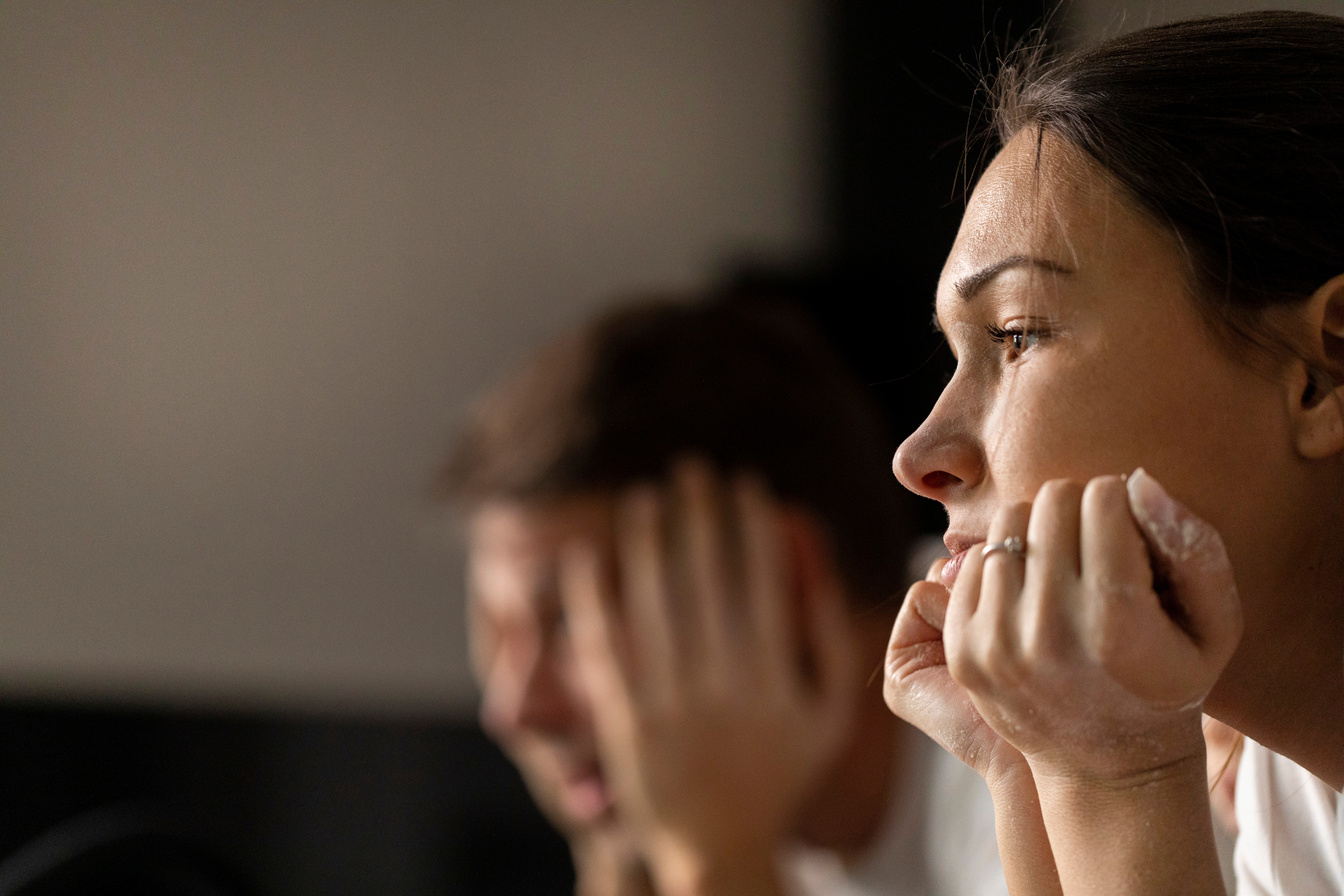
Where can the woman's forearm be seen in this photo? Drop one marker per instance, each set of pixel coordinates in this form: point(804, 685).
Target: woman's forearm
point(1024, 846)
point(1148, 835)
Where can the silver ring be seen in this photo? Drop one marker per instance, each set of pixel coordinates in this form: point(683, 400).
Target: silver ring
point(1010, 545)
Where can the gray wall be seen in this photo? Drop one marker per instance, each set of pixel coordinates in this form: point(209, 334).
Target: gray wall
point(256, 260)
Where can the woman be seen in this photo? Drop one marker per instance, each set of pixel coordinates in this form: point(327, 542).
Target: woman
point(1149, 280)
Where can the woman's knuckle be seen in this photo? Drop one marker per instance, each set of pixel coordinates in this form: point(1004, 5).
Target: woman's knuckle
point(1105, 493)
point(1059, 492)
point(963, 668)
point(1004, 667)
point(1010, 517)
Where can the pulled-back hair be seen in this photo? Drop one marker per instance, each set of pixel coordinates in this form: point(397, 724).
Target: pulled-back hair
point(1228, 131)
point(746, 386)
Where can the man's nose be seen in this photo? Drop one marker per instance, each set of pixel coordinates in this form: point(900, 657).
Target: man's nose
point(525, 691)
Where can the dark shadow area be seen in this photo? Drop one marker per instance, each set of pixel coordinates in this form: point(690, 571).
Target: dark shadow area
point(905, 82)
point(253, 803)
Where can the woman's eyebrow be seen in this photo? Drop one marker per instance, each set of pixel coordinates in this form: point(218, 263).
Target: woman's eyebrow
point(969, 285)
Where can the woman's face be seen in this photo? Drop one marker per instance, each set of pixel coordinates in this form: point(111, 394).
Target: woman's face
point(1080, 353)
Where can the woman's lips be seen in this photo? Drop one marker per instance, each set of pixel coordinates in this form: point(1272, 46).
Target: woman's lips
point(952, 567)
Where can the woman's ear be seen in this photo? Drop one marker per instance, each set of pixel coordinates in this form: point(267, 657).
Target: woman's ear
point(1316, 385)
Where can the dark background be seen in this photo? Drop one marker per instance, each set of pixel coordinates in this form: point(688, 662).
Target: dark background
point(906, 126)
point(339, 805)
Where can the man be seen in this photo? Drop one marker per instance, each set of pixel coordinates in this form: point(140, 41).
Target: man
point(684, 544)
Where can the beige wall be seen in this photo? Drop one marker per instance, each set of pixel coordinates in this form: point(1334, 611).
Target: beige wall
point(257, 258)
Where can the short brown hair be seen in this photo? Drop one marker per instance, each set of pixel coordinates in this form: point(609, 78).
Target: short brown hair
point(745, 385)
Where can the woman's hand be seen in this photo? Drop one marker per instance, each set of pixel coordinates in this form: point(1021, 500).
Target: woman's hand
point(1093, 652)
point(919, 688)
point(721, 671)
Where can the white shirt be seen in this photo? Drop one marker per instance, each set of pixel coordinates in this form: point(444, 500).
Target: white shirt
point(937, 838)
point(1292, 829)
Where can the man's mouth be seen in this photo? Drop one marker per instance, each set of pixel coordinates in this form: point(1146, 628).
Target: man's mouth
point(584, 796)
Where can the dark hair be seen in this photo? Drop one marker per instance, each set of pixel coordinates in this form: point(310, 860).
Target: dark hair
point(746, 386)
point(1229, 131)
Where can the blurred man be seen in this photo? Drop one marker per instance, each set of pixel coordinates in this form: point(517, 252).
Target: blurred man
point(685, 553)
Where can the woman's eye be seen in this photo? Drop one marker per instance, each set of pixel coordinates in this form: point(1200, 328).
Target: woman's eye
point(1018, 339)
point(1022, 340)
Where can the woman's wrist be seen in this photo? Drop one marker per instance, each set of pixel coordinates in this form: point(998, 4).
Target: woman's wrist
point(1008, 776)
point(1024, 845)
point(1136, 761)
point(1147, 831)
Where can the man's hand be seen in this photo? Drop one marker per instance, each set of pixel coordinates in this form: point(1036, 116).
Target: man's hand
point(721, 671)
point(607, 864)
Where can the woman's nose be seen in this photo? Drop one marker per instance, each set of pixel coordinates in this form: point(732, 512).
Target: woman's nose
point(941, 458)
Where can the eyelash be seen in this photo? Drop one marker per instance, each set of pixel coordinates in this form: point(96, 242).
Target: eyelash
point(1016, 336)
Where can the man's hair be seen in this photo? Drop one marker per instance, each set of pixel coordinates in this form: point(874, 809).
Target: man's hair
point(744, 385)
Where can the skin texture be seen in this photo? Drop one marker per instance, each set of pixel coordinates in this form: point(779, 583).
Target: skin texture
point(1073, 677)
point(635, 653)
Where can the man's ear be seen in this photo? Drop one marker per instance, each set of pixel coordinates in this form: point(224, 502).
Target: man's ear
point(810, 557)
point(1316, 384)
point(813, 576)
point(803, 547)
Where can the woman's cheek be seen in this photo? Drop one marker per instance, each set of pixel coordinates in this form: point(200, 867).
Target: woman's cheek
point(1057, 420)
point(1025, 446)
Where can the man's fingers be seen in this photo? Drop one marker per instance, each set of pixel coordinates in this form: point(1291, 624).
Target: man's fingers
point(592, 629)
point(703, 536)
point(833, 653)
point(640, 546)
point(766, 583)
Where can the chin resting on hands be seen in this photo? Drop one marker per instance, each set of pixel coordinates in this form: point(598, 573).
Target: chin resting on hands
point(1092, 653)
point(1071, 675)
point(721, 672)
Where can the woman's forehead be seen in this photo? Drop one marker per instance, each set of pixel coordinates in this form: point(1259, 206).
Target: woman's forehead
point(1043, 198)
